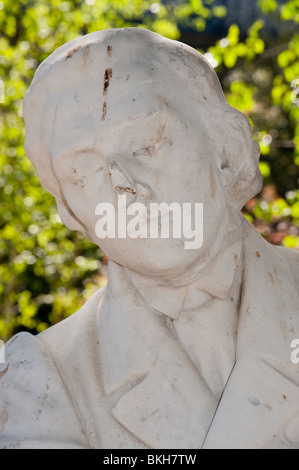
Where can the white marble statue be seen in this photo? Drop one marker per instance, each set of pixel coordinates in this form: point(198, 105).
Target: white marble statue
point(183, 348)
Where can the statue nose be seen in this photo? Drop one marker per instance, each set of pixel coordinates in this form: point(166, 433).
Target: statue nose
point(123, 183)
point(120, 179)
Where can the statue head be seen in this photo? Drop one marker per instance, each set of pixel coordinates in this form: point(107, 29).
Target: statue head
point(127, 110)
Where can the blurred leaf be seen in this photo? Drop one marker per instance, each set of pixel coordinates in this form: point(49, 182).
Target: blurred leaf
point(219, 11)
point(265, 169)
point(291, 241)
point(267, 6)
point(230, 58)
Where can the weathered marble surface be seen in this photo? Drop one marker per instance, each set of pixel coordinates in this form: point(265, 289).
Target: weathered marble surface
point(183, 348)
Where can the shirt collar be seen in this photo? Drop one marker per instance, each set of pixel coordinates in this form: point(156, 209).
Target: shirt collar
point(213, 281)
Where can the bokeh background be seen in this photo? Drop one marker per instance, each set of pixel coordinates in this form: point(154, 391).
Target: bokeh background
point(46, 271)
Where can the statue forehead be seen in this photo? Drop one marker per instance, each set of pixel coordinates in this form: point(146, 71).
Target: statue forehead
point(108, 69)
point(128, 108)
point(122, 54)
point(118, 44)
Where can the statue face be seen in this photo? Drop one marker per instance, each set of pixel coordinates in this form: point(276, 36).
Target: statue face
point(147, 133)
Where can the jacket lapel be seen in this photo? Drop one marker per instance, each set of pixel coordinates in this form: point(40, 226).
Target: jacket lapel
point(256, 407)
point(260, 405)
point(171, 407)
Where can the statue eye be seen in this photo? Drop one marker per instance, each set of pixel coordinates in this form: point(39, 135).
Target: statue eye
point(145, 151)
point(81, 176)
point(79, 180)
point(82, 181)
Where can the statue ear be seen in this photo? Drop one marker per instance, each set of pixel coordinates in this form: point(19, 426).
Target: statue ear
point(239, 173)
point(67, 218)
point(227, 168)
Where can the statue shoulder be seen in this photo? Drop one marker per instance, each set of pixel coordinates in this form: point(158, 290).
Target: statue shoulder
point(65, 335)
point(282, 257)
point(32, 399)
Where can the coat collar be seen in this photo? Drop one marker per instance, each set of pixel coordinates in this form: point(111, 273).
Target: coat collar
point(131, 330)
point(171, 297)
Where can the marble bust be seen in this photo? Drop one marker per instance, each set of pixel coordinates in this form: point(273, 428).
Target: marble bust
point(182, 348)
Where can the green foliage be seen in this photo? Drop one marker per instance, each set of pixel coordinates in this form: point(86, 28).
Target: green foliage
point(276, 218)
point(290, 11)
point(46, 271)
